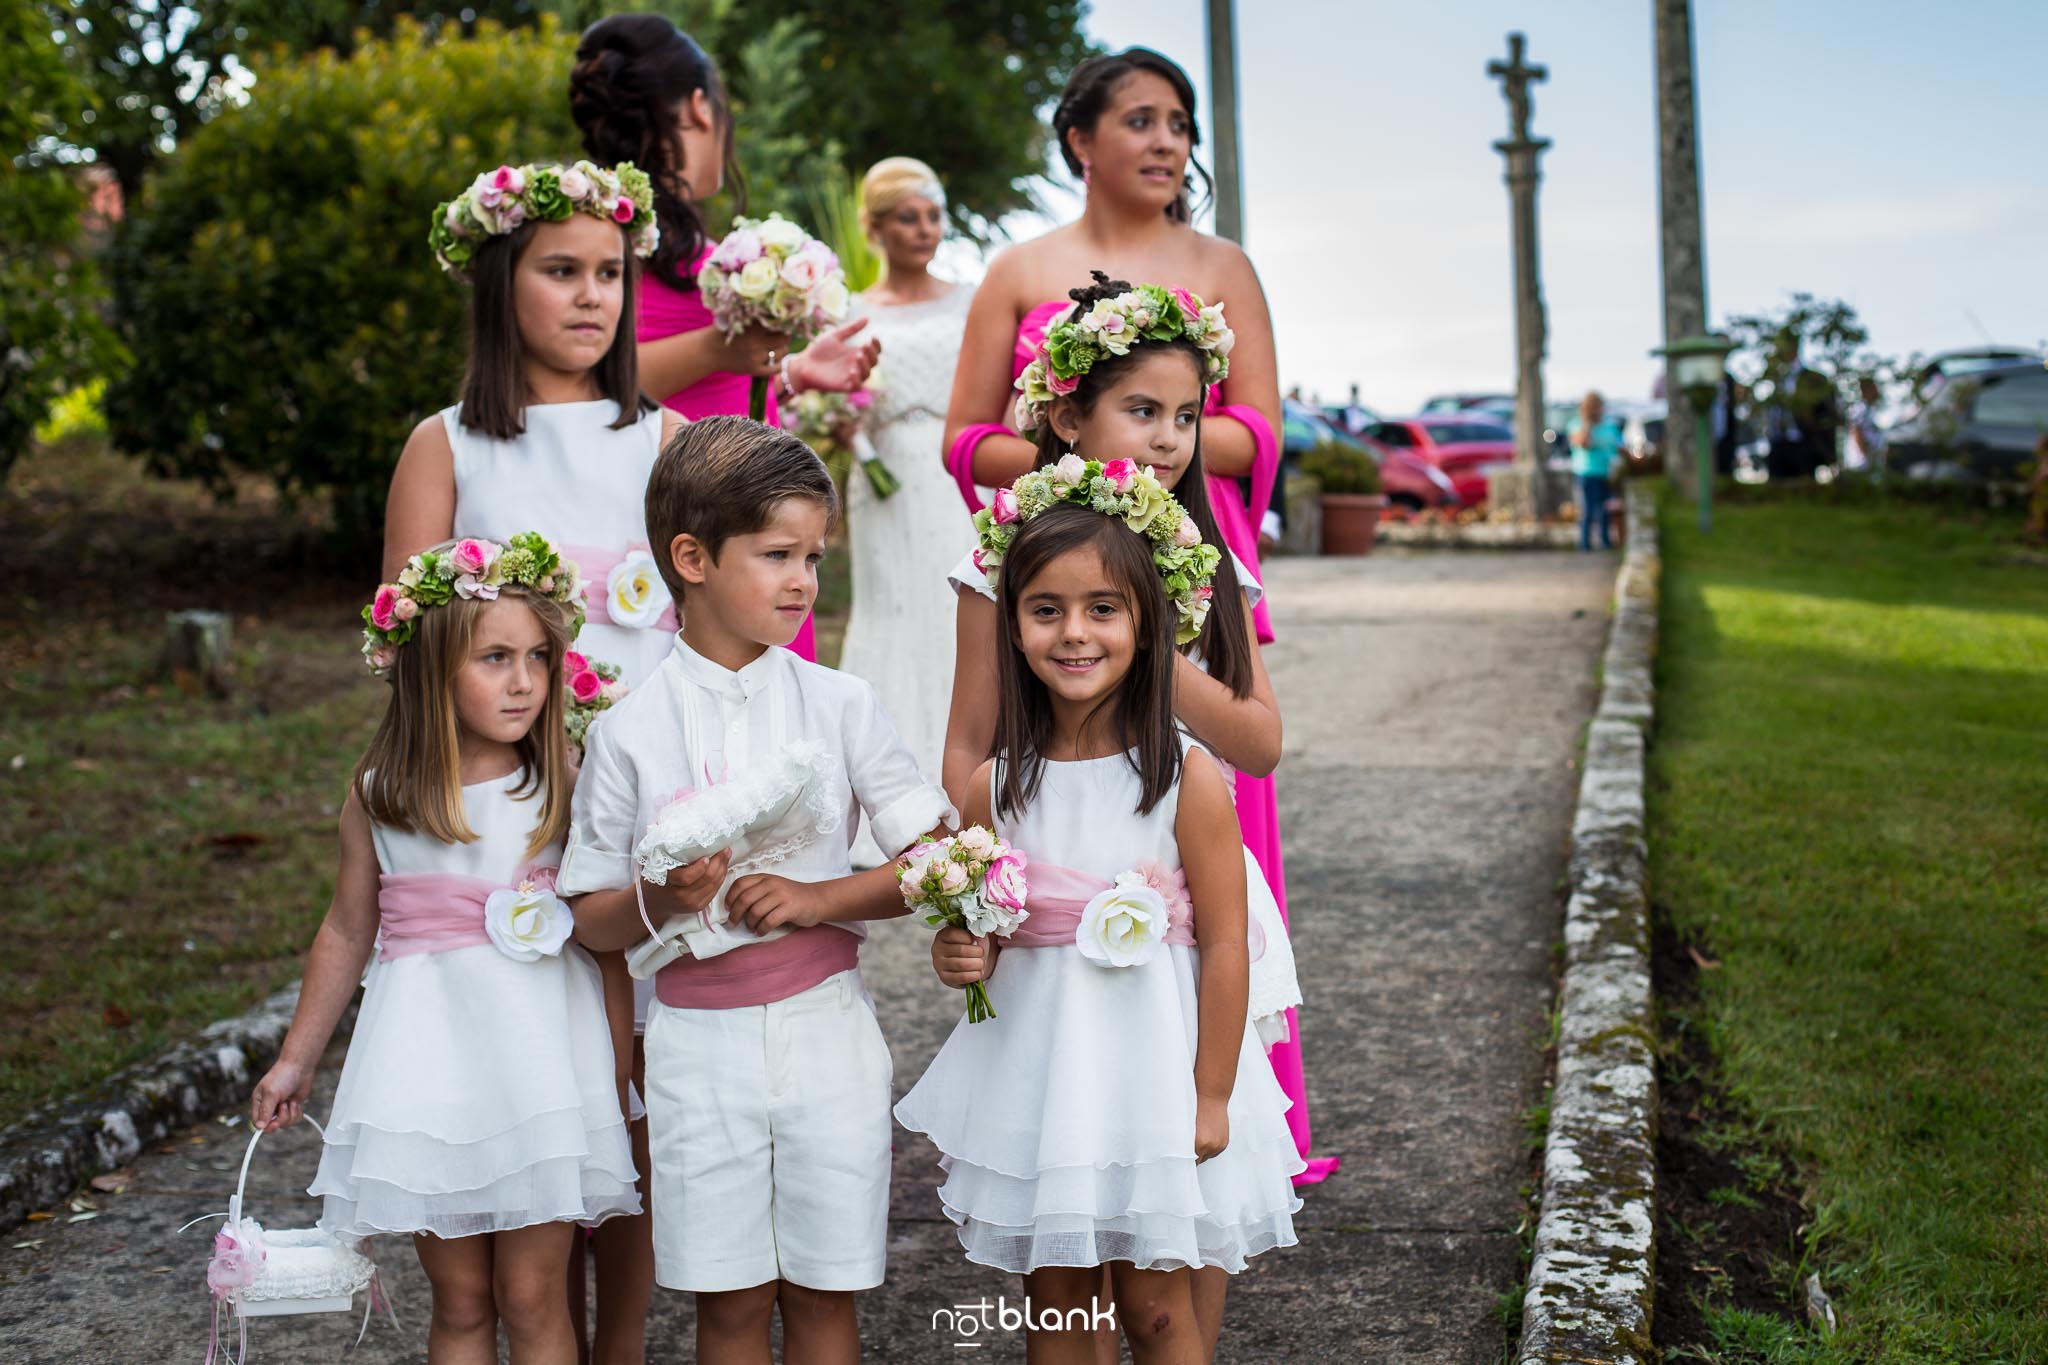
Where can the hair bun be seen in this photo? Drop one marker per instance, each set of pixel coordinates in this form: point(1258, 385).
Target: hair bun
point(1103, 288)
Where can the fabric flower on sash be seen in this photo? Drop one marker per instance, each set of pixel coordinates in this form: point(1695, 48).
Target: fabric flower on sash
point(634, 595)
point(529, 921)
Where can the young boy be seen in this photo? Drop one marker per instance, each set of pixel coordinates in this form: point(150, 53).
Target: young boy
point(767, 1077)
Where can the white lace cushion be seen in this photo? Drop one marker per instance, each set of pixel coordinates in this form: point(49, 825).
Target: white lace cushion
point(306, 1263)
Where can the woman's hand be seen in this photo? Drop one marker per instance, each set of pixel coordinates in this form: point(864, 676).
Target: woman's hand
point(756, 351)
point(1212, 1126)
point(835, 363)
point(960, 958)
point(280, 1098)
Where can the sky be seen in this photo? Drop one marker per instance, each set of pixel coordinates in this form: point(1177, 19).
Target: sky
point(1877, 151)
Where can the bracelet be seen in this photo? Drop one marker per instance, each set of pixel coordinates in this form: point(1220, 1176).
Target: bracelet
point(788, 384)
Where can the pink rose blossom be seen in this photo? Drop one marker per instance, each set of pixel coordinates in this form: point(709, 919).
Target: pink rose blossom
point(1005, 884)
point(613, 690)
point(953, 880)
point(1061, 385)
point(622, 211)
point(586, 685)
point(979, 567)
point(1120, 473)
point(384, 606)
point(405, 609)
point(1188, 305)
point(473, 556)
point(1205, 592)
point(509, 179)
point(383, 656)
point(574, 663)
point(1071, 469)
point(1004, 509)
point(574, 184)
point(861, 399)
point(1187, 533)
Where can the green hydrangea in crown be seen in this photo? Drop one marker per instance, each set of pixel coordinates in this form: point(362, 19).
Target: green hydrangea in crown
point(470, 567)
point(1147, 312)
point(497, 202)
point(1187, 566)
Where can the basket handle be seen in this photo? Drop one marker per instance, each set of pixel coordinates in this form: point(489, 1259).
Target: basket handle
point(242, 1180)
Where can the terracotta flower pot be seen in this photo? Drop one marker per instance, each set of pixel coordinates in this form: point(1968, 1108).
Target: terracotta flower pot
point(1351, 521)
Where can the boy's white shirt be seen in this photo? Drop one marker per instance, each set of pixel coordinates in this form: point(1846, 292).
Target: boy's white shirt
point(638, 754)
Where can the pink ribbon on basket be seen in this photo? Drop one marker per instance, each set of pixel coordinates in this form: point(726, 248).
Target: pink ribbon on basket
point(1059, 896)
point(434, 912)
point(960, 458)
point(595, 563)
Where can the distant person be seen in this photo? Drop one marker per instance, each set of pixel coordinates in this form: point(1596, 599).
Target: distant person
point(1803, 420)
point(1595, 442)
point(1866, 440)
point(1726, 418)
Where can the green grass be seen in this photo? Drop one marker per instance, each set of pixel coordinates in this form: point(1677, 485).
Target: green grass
point(1849, 807)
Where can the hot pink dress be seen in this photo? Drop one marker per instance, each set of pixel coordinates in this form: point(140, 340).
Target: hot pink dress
point(1258, 804)
point(665, 312)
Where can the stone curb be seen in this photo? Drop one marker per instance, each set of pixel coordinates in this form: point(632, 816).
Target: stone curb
point(59, 1147)
point(1591, 1287)
point(1479, 535)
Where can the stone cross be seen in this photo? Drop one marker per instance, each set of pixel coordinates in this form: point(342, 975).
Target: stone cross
point(1525, 490)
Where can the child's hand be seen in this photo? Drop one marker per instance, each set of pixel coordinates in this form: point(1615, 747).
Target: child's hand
point(1212, 1126)
point(960, 958)
point(690, 887)
point(763, 902)
point(280, 1098)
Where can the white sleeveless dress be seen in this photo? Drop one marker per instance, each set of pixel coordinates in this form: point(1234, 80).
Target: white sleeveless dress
point(899, 633)
point(1275, 986)
point(478, 1094)
point(580, 484)
point(1066, 1123)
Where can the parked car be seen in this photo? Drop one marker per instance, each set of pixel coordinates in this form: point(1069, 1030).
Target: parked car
point(1983, 423)
point(1410, 482)
point(1944, 367)
point(1465, 448)
point(1501, 406)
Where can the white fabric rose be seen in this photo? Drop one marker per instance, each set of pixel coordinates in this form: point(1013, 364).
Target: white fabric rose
point(634, 595)
point(527, 923)
point(1123, 926)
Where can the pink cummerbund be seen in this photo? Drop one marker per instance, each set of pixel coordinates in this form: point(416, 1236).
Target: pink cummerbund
point(760, 973)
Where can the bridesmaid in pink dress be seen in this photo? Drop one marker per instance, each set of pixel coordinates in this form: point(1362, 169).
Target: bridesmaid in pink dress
point(1127, 130)
point(643, 91)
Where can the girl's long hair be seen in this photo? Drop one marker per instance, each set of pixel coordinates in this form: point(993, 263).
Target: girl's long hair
point(494, 390)
point(1225, 642)
point(1141, 718)
point(410, 778)
point(632, 72)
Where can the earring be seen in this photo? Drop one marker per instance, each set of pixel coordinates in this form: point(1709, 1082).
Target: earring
point(1085, 169)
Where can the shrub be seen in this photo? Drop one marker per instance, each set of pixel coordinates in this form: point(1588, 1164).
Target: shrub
point(285, 313)
point(1341, 468)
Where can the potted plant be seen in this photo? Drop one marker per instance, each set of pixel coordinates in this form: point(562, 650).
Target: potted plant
point(1352, 503)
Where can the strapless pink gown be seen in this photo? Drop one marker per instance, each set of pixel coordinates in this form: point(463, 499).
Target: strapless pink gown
point(1258, 802)
point(666, 312)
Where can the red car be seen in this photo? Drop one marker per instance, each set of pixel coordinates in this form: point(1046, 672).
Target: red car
point(1464, 446)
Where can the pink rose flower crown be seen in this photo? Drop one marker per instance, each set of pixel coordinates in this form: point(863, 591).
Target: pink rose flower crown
point(1148, 312)
point(467, 568)
point(498, 201)
point(1120, 489)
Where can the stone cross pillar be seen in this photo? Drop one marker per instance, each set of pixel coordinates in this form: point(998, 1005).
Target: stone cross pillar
point(1525, 491)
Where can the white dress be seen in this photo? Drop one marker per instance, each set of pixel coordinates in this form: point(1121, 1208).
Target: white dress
point(581, 484)
point(899, 635)
point(478, 1094)
point(1066, 1123)
point(1275, 986)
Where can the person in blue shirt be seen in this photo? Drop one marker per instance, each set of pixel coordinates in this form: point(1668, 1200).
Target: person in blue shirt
point(1595, 442)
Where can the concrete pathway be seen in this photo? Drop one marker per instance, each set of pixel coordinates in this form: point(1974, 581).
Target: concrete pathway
point(1434, 703)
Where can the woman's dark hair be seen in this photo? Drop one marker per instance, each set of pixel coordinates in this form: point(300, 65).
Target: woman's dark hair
point(632, 72)
point(1089, 90)
point(494, 389)
point(1225, 641)
point(1142, 721)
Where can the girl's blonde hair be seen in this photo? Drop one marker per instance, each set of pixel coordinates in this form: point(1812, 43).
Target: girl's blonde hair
point(889, 182)
point(410, 778)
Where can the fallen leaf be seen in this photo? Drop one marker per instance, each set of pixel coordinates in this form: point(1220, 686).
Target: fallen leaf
point(24, 1246)
point(112, 1182)
point(81, 1217)
point(82, 1205)
point(84, 765)
point(40, 1217)
point(1701, 960)
point(113, 1016)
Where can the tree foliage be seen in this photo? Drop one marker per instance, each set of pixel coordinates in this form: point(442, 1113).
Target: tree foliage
point(1826, 339)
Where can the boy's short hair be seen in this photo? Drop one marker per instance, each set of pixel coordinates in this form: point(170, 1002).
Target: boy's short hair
point(720, 477)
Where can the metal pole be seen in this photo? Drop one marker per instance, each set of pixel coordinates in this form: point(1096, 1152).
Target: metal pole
point(1223, 101)
point(1706, 468)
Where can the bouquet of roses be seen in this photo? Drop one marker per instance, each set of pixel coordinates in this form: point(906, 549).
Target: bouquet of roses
point(589, 686)
point(770, 273)
point(973, 881)
point(827, 421)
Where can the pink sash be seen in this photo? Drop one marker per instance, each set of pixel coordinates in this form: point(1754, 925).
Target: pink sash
point(1058, 897)
point(596, 563)
point(434, 912)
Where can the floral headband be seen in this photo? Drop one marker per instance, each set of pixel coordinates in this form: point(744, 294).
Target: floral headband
point(497, 202)
point(1117, 489)
point(470, 568)
point(1149, 312)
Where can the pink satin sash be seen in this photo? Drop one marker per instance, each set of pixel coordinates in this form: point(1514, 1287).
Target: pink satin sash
point(434, 912)
point(595, 564)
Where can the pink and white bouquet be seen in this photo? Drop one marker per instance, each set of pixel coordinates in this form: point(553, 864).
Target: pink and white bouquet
point(973, 881)
point(770, 273)
point(589, 688)
point(831, 421)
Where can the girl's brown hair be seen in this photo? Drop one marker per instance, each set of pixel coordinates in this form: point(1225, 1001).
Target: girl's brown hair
point(494, 389)
point(1142, 720)
point(1225, 642)
point(410, 778)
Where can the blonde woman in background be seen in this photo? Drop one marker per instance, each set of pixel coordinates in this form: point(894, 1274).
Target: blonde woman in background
point(899, 636)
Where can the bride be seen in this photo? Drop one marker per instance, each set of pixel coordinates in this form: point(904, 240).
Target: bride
point(899, 636)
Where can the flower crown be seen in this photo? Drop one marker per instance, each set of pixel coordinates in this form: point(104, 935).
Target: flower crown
point(470, 568)
point(1118, 489)
point(497, 202)
point(1149, 312)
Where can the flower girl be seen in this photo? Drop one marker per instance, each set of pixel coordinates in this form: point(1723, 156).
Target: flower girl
point(1117, 1109)
point(476, 1110)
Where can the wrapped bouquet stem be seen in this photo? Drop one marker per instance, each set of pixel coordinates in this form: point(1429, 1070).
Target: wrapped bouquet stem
point(973, 881)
